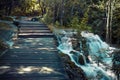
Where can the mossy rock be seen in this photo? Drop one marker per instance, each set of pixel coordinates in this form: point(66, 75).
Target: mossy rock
point(6, 18)
point(63, 55)
point(71, 64)
point(116, 61)
point(5, 26)
point(18, 17)
point(3, 46)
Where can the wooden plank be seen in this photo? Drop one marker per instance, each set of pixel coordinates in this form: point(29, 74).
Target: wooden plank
point(26, 25)
point(33, 78)
point(35, 31)
point(35, 34)
point(34, 28)
point(29, 72)
point(47, 57)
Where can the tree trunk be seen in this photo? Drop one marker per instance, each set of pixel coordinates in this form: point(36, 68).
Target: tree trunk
point(55, 13)
point(62, 12)
point(111, 19)
point(72, 9)
point(108, 20)
point(110, 7)
point(42, 7)
point(9, 7)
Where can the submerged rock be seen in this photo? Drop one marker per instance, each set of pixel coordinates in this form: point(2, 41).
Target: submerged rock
point(78, 57)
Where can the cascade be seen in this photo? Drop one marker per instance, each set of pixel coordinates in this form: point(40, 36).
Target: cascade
point(98, 51)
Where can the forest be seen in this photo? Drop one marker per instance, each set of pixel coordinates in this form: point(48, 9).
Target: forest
point(98, 16)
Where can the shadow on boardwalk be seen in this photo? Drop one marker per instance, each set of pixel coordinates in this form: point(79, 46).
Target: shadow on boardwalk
point(33, 57)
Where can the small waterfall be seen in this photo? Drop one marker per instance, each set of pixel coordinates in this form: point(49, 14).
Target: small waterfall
point(65, 45)
point(98, 51)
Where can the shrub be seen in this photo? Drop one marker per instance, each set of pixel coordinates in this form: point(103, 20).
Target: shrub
point(46, 19)
point(80, 25)
point(57, 23)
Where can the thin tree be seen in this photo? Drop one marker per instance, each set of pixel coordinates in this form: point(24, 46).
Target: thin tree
point(109, 14)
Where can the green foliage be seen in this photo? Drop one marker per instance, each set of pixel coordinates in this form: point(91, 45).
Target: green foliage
point(75, 23)
point(116, 26)
point(46, 19)
point(57, 24)
point(81, 25)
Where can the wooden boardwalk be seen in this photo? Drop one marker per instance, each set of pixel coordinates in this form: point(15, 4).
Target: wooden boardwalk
point(33, 57)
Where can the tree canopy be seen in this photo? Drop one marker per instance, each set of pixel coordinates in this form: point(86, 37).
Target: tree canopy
point(99, 16)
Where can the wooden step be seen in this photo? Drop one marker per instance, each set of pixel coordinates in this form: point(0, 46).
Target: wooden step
point(33, 78)
point(34, 31)
point(32, 57)
point(35, 25)
point(35, 35)
point(34, 28)
point(32, 72)
point(30, 22)
point(25, 34)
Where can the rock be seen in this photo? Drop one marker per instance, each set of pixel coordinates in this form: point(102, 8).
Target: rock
point(75, 44)
point(81, 60)
point(65, 57)
point(3, 46)
point(116, 63)
point(34, 19)
point(74, 72)
point(78, 57)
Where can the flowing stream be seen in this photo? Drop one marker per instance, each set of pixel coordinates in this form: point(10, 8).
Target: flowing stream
point(100, 55)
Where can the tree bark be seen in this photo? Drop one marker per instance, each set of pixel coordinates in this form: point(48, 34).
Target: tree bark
point(62, 12)
point(108, 20)
point(111, 19)
point(109, 13)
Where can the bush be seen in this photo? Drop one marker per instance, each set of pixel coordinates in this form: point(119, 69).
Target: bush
point(57, 24)
point(46, 19)
point(80, 25)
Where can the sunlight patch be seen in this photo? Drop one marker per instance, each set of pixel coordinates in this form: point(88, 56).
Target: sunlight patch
point(46, 70)
point(31, 69)
point(4, 69)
